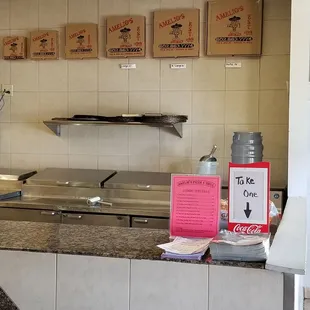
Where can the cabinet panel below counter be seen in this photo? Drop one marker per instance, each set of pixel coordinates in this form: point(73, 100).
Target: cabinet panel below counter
point(96, 219)
point(46, 216)
point(150, 222)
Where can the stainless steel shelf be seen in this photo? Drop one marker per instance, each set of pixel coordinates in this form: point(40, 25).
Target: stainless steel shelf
point(55, 125)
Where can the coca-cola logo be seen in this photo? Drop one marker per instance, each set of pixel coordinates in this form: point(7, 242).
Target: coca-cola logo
point(252, 229)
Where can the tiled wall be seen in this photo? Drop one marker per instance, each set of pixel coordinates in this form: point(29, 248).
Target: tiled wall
point(217, 100)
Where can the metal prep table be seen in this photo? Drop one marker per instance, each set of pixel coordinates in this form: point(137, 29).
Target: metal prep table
point(11, 181)
point(38, 204)
point(140, 199)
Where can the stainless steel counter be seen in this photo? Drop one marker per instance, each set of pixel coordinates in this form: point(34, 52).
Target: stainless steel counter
point(79, 205)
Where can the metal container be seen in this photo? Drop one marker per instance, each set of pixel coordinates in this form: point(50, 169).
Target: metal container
point(71, 177)
point(247, 147)
point(7, 174)
point(11, 181)
point(136, 180)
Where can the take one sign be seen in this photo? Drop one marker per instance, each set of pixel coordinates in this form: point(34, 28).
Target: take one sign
point(248, 201)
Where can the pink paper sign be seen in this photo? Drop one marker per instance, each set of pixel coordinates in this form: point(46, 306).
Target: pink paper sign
point(195, 206)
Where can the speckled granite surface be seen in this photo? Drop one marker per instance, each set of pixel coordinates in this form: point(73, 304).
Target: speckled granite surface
point(5, 302)
point(132, 243)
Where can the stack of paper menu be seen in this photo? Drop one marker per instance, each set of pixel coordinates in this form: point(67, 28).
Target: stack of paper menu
point(229, 245)
point(185, 248)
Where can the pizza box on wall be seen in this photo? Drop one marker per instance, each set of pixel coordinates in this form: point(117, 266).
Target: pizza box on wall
point(235, 27)
point(176, 33)
point(125, 36)
point(44, 44)
point(14, 48)
point(81, 41)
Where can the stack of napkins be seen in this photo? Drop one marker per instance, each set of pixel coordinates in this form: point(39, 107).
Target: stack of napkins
point(185, 248)
point(228, 245)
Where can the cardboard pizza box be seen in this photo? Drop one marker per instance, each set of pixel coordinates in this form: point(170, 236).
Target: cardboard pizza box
point(176, 33)
point(81, 41)
point(125, 36)
point(14, 47)
point(234, 27)
point(44, 44)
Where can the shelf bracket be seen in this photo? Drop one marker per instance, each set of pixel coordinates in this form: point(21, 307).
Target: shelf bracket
point(178, 127)
point(55, 128)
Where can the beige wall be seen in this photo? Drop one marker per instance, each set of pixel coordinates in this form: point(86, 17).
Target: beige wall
point(217, 100)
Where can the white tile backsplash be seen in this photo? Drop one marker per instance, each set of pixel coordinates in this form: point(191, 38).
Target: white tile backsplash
point(115, 7)
point(5, 138)
point(53, 104)
point(24, 138)
point(144, 8)
point(171, 4)
point(5, 71)
point(217, 100)
point(274, 72)
point(173, 146)
point(25, 161)
point(83, 11)
point(209, 74)
point(244, 78)
point(117, 162)
point(146, 76)
point(149, 162)
point(176, 164)
point(50, 144)
point(273, 107)
point(54, 161)
point(113, 103)
point(142, 102)
point(204, 137)
point(5, 160)
point(111, 76)
point(24, 14)
point(52, 13)
point(176, 79)
point(277, 9)
point(208, 107)
point(113, 140)
point(83, 140)
point(83, 161)
point(53, 75)
point(143, 141)
point(5, 10)
point(241, 107)
point(25, 107)
point(176, 102)
point(24, 75)
point(83, 103)
point(83, 75)
point(276, 37)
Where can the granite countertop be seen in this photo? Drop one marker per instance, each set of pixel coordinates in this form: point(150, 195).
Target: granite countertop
point(5, 302)
point(105, 241)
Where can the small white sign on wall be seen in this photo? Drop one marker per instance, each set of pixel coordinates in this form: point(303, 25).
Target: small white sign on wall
point(128, 66)
point(233, 64)
point(177, 66)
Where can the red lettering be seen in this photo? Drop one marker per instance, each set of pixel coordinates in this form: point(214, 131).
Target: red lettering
point(231, 12)
point(252, 229)
point(171, 20)
point(40, 37)
point(121, 25)
point(75, 34)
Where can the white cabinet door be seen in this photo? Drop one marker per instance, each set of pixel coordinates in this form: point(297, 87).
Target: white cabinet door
point(92, 283)
point(244, 289)
point(29, 279)
point(168, 285)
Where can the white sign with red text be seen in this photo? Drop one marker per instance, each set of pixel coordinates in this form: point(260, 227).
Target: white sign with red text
point(248, 201)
